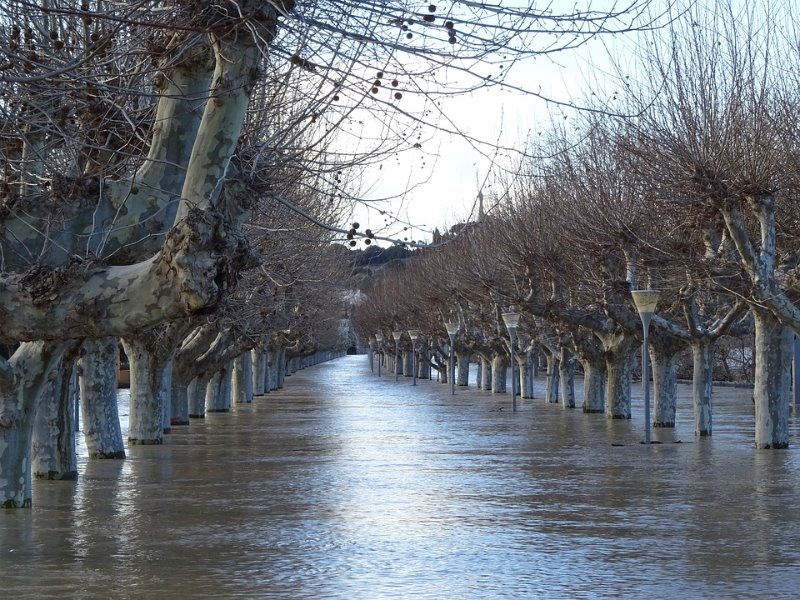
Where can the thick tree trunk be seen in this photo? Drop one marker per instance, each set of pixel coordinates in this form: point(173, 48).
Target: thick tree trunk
point(553, 378)
point(179, 402)
point(499, 374)
point(146, 420)
point(772, 385)
point(528, 367)
point(702, 384)
point(408, 363)
point(566, 366)
point(280, 362)
point(218, 391)
point(196, 392)
point(462, 380)
point(594, 386)
point(620, 359)
point(664, 361)
point(53, 451)
point(23, 380)
point(259, 360)
point(98, 392)
point(486, 383)
point(242, 379)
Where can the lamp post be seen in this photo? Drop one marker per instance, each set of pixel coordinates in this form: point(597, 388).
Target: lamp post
point(511, 319)
point(452, 329)
point(414, 334)
point(396, 335)
point(379, 337)
point(645, 301)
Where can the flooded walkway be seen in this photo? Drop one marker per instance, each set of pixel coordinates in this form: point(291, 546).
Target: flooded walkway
point(346, 485)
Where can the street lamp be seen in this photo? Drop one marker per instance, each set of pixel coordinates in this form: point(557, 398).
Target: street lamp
point(452, 330)
point(414, 334)
point(379, 337)
point(396, 335)
point(645, 301)
point(511, 319)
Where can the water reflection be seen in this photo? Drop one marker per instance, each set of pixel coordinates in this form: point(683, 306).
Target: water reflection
point(349, 486)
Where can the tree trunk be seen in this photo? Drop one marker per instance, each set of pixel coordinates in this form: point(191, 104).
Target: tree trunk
point(772, 386)
point(179, 403)
point(242, 379)
point(553, 377)
point(566, 367)
point(499, 374)
point(218, 391)
point(53, 451)
point(280, 361)
point(528, 373)
point(196, 392)
point(146, 421)
point(259, 360)
point(664, 361)
point(486, 384)
point(702, 384)
point(23, 380)
point(594, 386)
point(620, 359)
point(479, 374)
point(98, 390)
point(463, 369)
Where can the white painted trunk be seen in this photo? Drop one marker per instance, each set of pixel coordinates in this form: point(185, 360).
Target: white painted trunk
point(665, 385)
point(53, 450)
point(98, 396)
point(218, 392)
point(772, 385)
point(499, 374)
point(702, 385)
point(594, 387)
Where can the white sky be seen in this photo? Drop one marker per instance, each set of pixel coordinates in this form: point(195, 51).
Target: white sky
point(453, 169)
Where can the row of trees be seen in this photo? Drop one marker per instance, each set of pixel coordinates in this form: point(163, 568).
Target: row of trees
point(691, 187)
point(162, 164)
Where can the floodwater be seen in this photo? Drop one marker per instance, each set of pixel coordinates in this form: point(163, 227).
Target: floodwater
point(346, 485)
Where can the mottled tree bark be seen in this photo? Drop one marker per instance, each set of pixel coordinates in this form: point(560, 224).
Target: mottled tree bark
point(462, 378)
point(98, 393)
point(566, 367)
point(218, 391)
point(702, 385)
point(772, 385)
point(53, 451)
point(499, 374)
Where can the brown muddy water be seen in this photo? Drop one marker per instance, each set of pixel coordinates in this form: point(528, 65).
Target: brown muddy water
point(346, 485)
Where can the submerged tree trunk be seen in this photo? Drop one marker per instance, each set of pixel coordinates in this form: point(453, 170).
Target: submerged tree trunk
point(772, 385)
point(196, 392)
point(566, 366)
point(23, 380)
point(463, 369)
point(486, 372)
point(146, 420)
point(594, 386)
point(98, 391)
point(242, 379)
point(553, 376)
point(499, 374)
point(53, 451)
point(702, 385)
point(664, 361)
point(620, 359)
point(218, 391)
